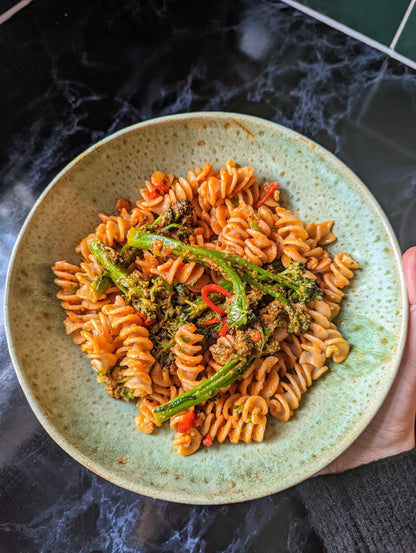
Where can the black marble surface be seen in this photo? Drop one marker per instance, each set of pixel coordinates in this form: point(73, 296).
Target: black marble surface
point(72, 72)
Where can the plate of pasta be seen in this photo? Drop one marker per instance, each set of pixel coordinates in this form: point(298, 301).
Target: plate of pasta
point(216, 308)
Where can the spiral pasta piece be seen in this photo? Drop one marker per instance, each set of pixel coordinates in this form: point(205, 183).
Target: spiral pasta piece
point(187, 356)
point(112, 229)
point(176, 269)
point(230, 182)
point(99, 343)
point(321, 232)
point(293, 235)
point(236, 416)
point(66, 279)
point(138, 359)
point(246, 234)
point(338, 276)
point(188, 442)
point(289, 392)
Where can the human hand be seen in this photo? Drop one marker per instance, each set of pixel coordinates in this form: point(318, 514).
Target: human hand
point(392, 430)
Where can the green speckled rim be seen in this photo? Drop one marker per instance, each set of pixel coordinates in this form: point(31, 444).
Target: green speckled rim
point(98, 431)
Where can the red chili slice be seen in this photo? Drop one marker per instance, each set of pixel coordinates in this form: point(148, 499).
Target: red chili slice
point(146, 322)
point(256, 337)
point(207, 440)
point(214, 288)
point(162, 187)
point(273, 186)
point(186, 422)
point(158, 190)
point(224, 330)
point(212, 321)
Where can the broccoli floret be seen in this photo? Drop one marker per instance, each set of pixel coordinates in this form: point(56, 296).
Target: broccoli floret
point(302, 289)
point(179, 213)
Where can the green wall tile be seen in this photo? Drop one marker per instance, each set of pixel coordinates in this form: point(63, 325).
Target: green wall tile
point(407, 41)
point(377, 19)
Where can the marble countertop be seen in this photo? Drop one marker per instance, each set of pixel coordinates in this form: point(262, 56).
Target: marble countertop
point(73, 72)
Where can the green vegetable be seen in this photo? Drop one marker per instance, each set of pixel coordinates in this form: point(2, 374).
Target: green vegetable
point(101, 284)
point(238, 309)
point(128, 394)
point(178, 216)
point(299, 318)
point(304, 289)
point(108, 259)
point(209, 388)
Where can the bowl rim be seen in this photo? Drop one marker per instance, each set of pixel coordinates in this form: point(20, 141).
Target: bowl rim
point(182, 497)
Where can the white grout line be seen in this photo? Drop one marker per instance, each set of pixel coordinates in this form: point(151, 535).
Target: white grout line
point(13, 10)
point(348, 31)
point(373, 91)
point(402, 24)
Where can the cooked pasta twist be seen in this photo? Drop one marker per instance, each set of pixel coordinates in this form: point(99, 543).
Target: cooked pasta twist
point(230, 182)
point(290, 390)
point(236, 416)
point(263, 380)
point(136, 356)
point(293, 236)
point(187, 442)
point(187, 356)
point(66, 279)
point(112, 229)
point(99, 343)
point(321, 232)
point(248, 235)
point(176, 269)
point(338, 276)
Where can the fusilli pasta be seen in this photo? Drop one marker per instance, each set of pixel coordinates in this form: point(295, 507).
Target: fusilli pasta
point(152, 334)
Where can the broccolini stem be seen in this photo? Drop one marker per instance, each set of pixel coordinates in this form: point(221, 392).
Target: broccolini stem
point(101, 284)
point(261, 273)
point(106, 258)
point(233, 260)
point(237, 314)
point(209, 388)
point(268, 290)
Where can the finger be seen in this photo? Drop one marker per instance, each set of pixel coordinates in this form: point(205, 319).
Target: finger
point(409, 268)
point(408, 365)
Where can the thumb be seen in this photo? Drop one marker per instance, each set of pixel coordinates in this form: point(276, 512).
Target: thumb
point(409, 358)
point(409, 268)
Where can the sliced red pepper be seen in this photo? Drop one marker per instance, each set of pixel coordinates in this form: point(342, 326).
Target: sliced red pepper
point(212, 321)
point(214, 288)
point(157, 189)
point(256, 337)
point(207, 440)
point(224, 330)
point(186, 422)
point(162, 187)
point(273, 186)
point(146, 322)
